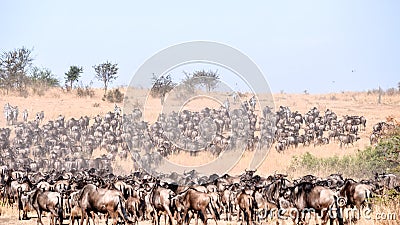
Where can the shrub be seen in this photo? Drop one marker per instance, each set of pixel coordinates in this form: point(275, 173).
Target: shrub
point(114, 96)
point(23, 93)
point(86, 91)
point(391, 91)
point(137, 105)
point(39, 89)
point(382, 158)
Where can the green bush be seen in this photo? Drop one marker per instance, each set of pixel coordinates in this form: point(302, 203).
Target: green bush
point(384, 157)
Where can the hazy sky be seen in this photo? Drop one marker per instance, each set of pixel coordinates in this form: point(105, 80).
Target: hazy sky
point(299, 45)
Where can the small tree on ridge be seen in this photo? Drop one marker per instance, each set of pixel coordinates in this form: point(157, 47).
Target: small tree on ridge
point(73, 75)
point(106, 72)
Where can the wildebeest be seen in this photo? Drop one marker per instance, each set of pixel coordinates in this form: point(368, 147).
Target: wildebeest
point(356, 194)
point(307, 197)
point(246, 204)
point(192, 199)
point(347, 139)
point(100, 200)
point(132, 206)
point(47, 201)
point(161, 200)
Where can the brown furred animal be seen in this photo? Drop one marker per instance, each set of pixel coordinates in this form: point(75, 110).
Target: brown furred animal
point(192, 199)
point(100, 200)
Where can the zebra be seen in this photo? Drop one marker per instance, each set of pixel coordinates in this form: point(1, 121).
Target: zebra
point(252, 102)
point(227, 104)
point(8, 113)
point(25, 115)
point(117, 110)
point(39, 116)
point(14, 114)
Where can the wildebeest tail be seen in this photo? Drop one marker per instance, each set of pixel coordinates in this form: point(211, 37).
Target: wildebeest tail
point(368, 196)
point(214, 209)
point(338, 208)
point(20, 206)
point(19, 194)
point(60, 208)
point(122, 211)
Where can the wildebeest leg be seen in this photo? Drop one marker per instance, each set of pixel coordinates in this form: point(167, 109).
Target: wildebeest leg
point(203, 211)
point(157, 218)
point(240, 216)
point(53, 215)
point(114, 217)
point(225, 209)
point(324, 217)
point(185, 212)
point(168, 212)
point(249, 217)
point(19, 214)
point(196, 215)
point(72, 219)
point(212, 211)
point(39, 213)
point(106, 217)
point(25, 214)
point(85, 215)
point(244, 217)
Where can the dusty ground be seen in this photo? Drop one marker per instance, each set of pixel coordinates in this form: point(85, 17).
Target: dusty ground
point(391, 218)
point(56, 102)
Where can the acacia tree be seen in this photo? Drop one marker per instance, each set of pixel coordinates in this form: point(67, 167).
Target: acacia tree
point(43, 76)
point(209, 79)
point(73, 75)
point(106, 72)
point(188, 83)
point(161, 86)
point(14, 66)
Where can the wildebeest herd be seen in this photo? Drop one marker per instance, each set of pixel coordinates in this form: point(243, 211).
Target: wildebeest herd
point(48, 166)
point(68, 144)
point(249, 198)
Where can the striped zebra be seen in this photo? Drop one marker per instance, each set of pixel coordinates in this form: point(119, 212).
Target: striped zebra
point(227, 104)
point(14, 114)
point(10, 114)
point(25, 115)
point(7, 113)
point(117, 110)
point(39, 116)
point(252, 102)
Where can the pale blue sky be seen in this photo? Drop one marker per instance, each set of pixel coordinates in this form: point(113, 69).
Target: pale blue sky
point(297, 44)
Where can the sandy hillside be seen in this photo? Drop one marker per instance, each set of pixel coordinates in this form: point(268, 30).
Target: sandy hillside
point(56, 102)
